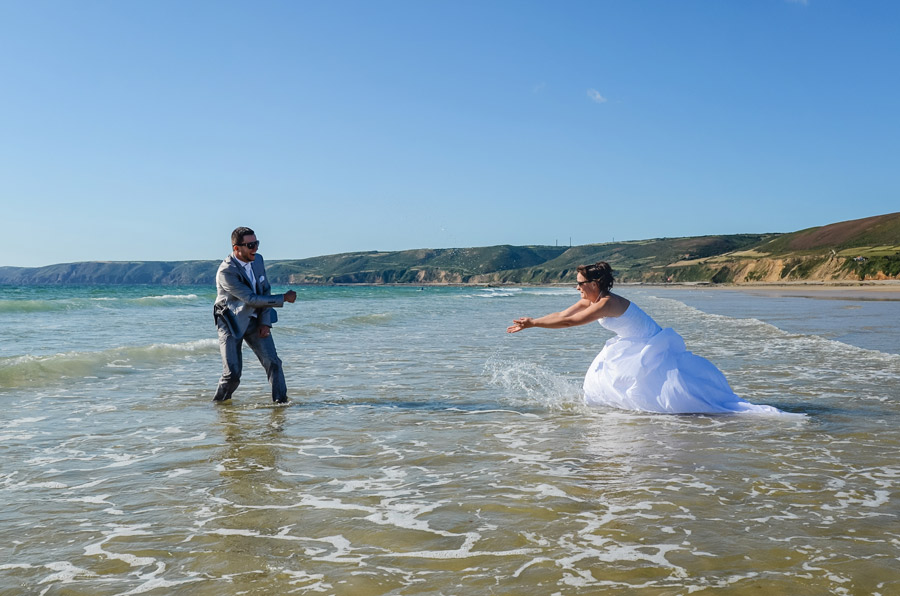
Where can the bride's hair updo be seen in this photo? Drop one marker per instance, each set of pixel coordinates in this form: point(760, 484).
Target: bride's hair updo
point(599, 272)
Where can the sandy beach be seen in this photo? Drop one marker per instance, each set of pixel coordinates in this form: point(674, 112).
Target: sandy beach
point(831, 290)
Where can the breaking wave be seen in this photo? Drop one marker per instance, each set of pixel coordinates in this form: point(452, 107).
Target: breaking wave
point(70, 304)
point(28, 370)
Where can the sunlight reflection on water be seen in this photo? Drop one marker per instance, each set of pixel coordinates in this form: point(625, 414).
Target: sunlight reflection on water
point(427, 452)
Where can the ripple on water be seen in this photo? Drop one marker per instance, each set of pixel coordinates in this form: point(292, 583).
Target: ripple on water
point(418, 467)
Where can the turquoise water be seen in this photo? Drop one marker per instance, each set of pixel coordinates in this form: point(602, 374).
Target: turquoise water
point(426, 451)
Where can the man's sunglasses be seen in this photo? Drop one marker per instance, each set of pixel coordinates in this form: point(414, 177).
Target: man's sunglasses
point(251, 245)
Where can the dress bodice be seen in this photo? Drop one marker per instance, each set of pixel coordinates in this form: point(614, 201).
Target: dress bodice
point(632, 323)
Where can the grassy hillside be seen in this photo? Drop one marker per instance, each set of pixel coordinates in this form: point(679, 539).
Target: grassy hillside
point(633, 261)
point(643, 260)
point(866, 248)
point(878, 232)
point(411, 266)
point(114, 272)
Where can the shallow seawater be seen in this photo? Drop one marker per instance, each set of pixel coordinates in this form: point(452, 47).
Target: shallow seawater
point(425, 451)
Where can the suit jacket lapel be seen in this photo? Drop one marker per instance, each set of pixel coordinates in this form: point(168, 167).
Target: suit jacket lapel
point(259, 272)
point(236, 263)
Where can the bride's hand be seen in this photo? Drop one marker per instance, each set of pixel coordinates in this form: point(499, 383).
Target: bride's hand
point(519, 324)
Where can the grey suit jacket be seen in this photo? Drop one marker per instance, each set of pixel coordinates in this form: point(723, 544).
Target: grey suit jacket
point(237, 299)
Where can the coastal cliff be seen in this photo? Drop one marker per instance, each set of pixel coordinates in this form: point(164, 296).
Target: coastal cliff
point(857, 250)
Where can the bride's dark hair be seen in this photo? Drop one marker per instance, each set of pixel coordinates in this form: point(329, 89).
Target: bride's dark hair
point(599, 272)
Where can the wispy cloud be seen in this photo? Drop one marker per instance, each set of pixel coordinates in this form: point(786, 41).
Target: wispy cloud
point(803, 2)
point(539, 87)
point(595, 96)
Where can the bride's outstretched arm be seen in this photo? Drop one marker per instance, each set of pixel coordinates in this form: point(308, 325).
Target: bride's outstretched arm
point(556, 320)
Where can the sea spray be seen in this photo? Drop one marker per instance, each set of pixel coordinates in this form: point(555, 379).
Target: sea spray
point(527, 383)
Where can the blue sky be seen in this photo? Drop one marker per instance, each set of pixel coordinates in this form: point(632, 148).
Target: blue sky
point(148, 130)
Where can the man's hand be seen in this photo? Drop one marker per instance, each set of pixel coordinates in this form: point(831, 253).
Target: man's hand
point(264, 331)
point(290, 296)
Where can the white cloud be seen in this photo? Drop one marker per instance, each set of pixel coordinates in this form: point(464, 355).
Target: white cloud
point(595, 95)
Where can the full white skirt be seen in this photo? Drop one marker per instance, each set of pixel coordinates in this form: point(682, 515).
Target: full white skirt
point(658, 374)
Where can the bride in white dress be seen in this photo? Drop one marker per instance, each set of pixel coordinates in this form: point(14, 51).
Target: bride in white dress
point(644, 367)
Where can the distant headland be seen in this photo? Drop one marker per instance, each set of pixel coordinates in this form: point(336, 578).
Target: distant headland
point(857, 250)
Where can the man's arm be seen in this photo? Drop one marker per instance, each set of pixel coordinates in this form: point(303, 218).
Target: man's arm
point(234, 284)
point(267, 315)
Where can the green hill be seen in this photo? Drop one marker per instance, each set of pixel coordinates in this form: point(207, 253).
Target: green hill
point(634, 261)
point(455, 265)
point(866, 248)
point(114, 272)
point(880, 233)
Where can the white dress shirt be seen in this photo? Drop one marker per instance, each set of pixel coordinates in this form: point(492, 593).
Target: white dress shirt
point(248, 269)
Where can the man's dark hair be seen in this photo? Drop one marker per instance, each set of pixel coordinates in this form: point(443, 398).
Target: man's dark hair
point(237, 236)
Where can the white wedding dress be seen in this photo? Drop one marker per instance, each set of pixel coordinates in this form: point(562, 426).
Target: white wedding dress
point(647, 368)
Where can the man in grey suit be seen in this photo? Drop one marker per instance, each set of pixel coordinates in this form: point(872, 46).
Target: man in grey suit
point(245, 311)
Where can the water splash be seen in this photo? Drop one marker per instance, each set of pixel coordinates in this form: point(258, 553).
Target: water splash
point(526, 383)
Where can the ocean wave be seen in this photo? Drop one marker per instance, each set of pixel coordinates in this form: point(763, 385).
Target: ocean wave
point(369, 320)
point(794, 372)
point(498, 292)
point(567, 291)
point(33, 306)
point(519, 292)
point(172, 298)
point(725, 329)
point(99, 302)
point(28, 370)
